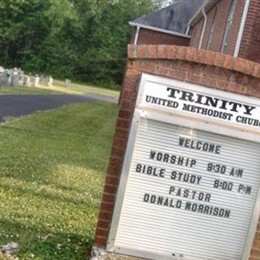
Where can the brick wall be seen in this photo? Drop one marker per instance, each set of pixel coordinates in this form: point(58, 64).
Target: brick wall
point(250, 45)
point(232, 40)
point(214, 70)
point(196, 33)
point(153, 37)
point(221, 11)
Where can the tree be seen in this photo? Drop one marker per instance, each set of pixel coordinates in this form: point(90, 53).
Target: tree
point(80, 39)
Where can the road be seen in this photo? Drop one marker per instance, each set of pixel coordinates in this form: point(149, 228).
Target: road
point(18, 105)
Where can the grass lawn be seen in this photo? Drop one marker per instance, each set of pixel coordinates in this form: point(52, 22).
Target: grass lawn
point(52, 169)
point(26, 91)
point(59, 88)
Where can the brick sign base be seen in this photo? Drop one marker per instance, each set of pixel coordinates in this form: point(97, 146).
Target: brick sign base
point(210, 69)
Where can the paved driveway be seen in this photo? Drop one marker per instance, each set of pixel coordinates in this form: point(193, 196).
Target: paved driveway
point(17, 105)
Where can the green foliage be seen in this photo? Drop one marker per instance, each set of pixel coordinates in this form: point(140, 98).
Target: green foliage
point(52, 168)
point(77, 39)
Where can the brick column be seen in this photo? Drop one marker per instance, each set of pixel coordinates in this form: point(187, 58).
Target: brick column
point(214, 70)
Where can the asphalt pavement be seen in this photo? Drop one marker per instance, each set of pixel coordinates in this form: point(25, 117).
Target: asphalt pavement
point(18, 105)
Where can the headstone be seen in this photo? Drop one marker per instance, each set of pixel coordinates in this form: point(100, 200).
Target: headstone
point(7, 79)
point(1, 80)
point(26, 81)
point(46, 80)
point(36, 80)
point(67, 83)
point(50, 81)
point(14, 80)
point(21, 76)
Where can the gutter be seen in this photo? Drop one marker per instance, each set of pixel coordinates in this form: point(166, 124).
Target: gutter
point(242, 28)
point(196, 17)
point(156, 29)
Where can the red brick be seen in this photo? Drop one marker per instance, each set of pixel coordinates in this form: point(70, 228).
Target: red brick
point(128, 94)
point(181, 53)
point(132, 74)
point(171, 52)
point(100, 242)
point(120, 142)
point(222, 74)
point(222, 84)
point(219, 60)
point(176, 74)
point(255, 252)
point(194, 78)
point(112, 180)
point(209, 71)
point(125, 114)
point(114, 171)
point(122, 133)
point(190, 54)
point(132, 51)
point(229, 62)
point(117, 152)
point(209, 58)
point(256, 71)
point(248, 67)
point(254, 258)
point(163, 71)
point(239, 65)
point(101, 232)
point(152, 51)
point(237, 88)
point(199, 56)
point(109, 198)
point(129, 84)
point(189, 67)
point(127, 104)
point(116, 161)
point(122, 123)
point(134, 64)
point(103, 224)
point(150, 67)
point(142, 51)
point(107, 207)
point(208, 81)
point(161, 52)
point(256, 244)
point(110, 189)
point(104, 216)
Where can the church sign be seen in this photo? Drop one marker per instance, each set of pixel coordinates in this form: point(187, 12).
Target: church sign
point(190, 183)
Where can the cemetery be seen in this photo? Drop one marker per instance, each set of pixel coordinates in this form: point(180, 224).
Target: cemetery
point(15, 77)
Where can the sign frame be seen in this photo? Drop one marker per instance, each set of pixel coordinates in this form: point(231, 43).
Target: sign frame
point(189, 122)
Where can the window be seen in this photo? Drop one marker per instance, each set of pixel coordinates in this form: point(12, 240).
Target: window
point(228, 26)
point(212, 29)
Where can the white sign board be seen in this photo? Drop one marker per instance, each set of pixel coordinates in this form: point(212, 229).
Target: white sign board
point(186, 192)
point(172, 96)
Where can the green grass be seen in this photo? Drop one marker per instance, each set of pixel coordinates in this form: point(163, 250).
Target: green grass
point(59, 88)
point(26, 91)
point(52, 169)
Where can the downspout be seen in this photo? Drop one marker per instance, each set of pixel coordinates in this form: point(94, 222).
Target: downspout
point(242, 27)
point(204, 27)
point(137, 35)
point(188, 29)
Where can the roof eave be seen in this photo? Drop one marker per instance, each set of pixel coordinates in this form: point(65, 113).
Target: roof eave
point(159, 30)
point(198, 15)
